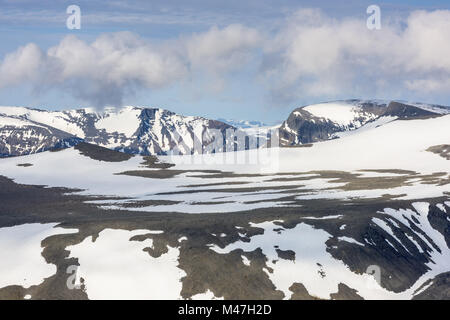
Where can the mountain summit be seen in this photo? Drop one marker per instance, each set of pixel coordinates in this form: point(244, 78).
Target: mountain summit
point(324, 121)
point(135, 130)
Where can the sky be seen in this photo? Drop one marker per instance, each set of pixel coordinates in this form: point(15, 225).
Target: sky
point(250, 60)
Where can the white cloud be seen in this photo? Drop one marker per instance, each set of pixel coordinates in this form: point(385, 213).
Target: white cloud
point(21, 65)
point(316, 55)
point(310, 55)
point(117, 59)
point(220, 50)
point(430, 85)
point(103, 71)
point(427, 38)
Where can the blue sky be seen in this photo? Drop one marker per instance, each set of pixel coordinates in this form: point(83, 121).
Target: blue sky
point(254, 59)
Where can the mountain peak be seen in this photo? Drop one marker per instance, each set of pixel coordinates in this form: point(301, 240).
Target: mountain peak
point(135, 130)
point(327, 120)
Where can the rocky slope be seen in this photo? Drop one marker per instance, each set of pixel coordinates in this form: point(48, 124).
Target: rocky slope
point(134, 130)
point(152, 131)
point(326, 121)
point(21, 136)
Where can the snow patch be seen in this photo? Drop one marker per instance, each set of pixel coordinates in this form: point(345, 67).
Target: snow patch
point(208, 295)
point(350, 240)
point(124, 121)
point(314, 267)
point(21, 262)
point(245, 260)
point(125, 271)
point(339, 113)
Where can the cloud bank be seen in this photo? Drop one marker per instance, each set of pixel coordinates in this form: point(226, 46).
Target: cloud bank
point(309, 55)
point(316, 55)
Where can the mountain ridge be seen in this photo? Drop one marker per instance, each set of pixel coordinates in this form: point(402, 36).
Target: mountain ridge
point(135, 130)
point(328, 120)
point(156, 131)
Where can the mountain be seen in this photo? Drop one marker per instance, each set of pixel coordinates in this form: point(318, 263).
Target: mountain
point(256, 129)
point(320, 122)
point(19, 136)
point(245, 124)
point(154, 131)
point(134, 130)
point(365, 216)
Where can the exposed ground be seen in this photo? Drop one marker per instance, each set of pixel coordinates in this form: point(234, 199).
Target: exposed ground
point(214, 219)
point(225, 275)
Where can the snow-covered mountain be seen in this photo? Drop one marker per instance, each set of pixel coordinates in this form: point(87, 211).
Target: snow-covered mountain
point(330, 120)
point(363, 216)
point(20, 136)
point(135, 130)
point(253, 128)
point(245, 124)
point(154, 131)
